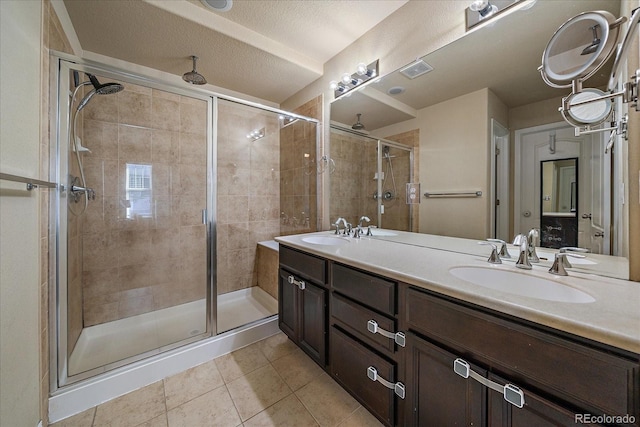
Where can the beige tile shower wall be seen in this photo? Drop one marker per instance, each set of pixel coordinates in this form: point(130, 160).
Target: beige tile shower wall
point(248, 202)
point(132, 263)
point(300, 172)
point(352, 184)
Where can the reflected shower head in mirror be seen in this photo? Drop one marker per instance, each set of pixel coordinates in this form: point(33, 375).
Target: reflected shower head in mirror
point(193, 76)
point(566, 59)
point(594, 44)
point(357, 125)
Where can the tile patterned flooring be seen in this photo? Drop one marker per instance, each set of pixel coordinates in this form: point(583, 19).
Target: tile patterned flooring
point(269, 383)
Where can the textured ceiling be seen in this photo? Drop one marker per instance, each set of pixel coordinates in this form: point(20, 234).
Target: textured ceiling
point(503, 57)
point(265, 49)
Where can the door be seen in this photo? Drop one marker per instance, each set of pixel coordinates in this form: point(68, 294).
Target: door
point(313, 303)
point(551, 142)
point(536, 411)
point(439, 396)
point(287, 308)
point(500, 185)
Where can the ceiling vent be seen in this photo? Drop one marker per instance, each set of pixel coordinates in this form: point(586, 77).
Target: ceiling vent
point(218, 5)
point(416, 69)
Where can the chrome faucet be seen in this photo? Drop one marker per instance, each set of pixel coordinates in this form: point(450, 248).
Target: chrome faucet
point(565, 261)
point(523, 260)
point(337, 225)
point(533, 234)
point(494, 258)
point(359, 229)
point(558, 267)
point(504, 252)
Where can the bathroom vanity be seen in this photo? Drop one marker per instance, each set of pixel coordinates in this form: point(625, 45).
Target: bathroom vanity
point(418, 346)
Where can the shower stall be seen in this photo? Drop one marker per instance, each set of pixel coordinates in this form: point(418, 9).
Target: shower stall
point(166, 193)
point(369, 177)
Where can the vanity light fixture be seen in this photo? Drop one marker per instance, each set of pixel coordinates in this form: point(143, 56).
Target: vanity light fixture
point(364, 73)
point(481, 11)
point(256, 134)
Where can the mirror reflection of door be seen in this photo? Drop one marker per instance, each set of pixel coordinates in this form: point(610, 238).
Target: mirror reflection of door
point(559, 203)
point(533, 146)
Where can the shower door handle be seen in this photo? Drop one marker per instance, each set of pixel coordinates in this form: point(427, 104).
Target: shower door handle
point(204, 216)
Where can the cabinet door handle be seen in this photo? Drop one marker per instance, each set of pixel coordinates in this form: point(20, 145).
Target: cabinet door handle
point(511, 393)
point(299, 283)
point(398, 388)
point(398, 337)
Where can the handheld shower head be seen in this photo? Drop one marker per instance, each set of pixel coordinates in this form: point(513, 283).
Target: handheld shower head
point(100, 89)
point(594, 44)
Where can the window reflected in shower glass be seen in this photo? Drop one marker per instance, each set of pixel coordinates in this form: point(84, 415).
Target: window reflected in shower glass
point(138, 191)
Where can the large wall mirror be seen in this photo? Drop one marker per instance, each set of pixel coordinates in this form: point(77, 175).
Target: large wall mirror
point(487, 124)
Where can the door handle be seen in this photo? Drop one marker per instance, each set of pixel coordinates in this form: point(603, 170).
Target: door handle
point(598, 234)
point(299, 283)
point(586, 216)
point(398, 337)
point(511, 393)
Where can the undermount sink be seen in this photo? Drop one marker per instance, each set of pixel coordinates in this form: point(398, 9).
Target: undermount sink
point(324, 240)
point(522, 284)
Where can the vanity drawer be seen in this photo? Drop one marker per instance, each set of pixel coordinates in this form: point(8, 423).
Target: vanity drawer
point(584, 376)
point(353, 318)
point(349, 364)
point(307, 265)
point(374, 291)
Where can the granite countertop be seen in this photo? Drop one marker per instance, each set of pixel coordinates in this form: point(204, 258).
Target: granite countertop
point(613, 318)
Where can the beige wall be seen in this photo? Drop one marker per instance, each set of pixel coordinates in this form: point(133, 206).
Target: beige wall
point(20, 262)
point(453, 156)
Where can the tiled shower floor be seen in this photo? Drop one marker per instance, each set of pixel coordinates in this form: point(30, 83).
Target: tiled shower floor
point(113, 341)
point(269, 383)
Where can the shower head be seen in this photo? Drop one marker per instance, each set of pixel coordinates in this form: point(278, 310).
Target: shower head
point(358, 125)
point(193, 76)
point(594, 44)
point(99, 89)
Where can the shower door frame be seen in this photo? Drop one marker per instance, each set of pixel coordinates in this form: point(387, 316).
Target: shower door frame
point(61, 67)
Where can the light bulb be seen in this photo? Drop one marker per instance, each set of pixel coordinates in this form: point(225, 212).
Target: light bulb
point(478, 5)
point(333, 84)
point(346, 78)
point(362, 69)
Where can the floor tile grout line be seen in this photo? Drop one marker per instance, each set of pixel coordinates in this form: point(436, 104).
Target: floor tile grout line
point(233, 402)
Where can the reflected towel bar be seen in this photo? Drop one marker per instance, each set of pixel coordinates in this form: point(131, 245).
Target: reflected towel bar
point(31, 183)
point(453, 194)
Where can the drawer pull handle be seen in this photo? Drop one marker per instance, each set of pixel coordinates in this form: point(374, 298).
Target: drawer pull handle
point(299, 283)
point(398, 388)
point(398, 337)
point(511, 393)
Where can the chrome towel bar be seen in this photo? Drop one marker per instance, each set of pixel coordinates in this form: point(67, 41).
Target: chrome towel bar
point(30, 182)
point(453, 194)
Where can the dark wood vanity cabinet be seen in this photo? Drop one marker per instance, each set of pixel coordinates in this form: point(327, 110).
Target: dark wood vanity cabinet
point(302, 308)
point(558, 376)
point(363, 348)
point(414, 357)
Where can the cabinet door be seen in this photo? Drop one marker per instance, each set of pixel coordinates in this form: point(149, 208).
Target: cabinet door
point(437, 395)
point(536, 412)
point(287, 306)
point(313, 303)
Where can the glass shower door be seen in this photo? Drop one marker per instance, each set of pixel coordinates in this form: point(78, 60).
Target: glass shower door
point(136, 277)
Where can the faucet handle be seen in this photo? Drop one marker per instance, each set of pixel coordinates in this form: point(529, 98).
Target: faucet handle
point(518, 239)
point(565, 261)
point(558, 267)
point(369, 233)
point(494, 258)
point(504, 252)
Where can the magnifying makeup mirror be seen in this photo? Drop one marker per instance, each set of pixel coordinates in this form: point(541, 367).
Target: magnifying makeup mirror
point(575, 52)
point(580, 47)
